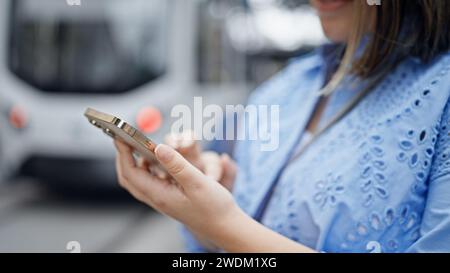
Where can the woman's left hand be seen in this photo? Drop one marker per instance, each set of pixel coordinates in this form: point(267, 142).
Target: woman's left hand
point(190, 197)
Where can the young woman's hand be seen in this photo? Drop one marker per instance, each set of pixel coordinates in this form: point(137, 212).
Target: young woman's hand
point(220, 168)
point(206, 207)
point(189, 196)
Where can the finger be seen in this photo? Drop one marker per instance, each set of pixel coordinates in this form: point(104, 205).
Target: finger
point(124, 183)
point(153, 167)
point(141, 184)
point(185, 144)
point(143, 164)
point(125, 152)
point(159, 172)
point(229, 172)
point(212, 166)
point(172, 140)
point(179, 168)
point(122, 180)
point(144, 186)
point(121, 146)
point(184, 139)
point(188, 142)
point(126, 159)
point(132, 174)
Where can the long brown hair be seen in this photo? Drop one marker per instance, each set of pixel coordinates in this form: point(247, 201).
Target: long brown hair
point(398, 29)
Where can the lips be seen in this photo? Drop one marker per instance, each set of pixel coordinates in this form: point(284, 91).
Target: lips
point(329, 5)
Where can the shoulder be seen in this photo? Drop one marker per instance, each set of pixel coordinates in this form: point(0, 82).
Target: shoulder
point(433, 85)
point(414, 89)
point(434, 74)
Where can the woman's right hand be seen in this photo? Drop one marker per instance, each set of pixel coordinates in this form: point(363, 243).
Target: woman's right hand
point(218, 167)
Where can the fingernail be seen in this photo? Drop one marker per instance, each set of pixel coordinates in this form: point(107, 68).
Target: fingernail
point(164, 153)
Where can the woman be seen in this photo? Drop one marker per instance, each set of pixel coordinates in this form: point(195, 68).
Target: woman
point(362, 167)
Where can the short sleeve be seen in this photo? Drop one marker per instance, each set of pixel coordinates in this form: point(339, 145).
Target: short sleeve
point(435, 227)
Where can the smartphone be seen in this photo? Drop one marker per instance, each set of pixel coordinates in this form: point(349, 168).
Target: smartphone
point(119, 129)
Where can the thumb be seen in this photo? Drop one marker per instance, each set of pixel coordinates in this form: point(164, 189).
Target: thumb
point(179, 168)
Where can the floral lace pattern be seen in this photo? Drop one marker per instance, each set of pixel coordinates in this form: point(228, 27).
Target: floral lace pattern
point(363, 185)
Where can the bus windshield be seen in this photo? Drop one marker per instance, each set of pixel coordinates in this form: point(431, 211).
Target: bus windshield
point(101, 46)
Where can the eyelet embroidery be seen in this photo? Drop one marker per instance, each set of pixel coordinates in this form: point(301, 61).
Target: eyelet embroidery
point(416, 156)
point(442, 155)
point(373, 180)
point(405, 220)
point(416, 150)
point(328, 190)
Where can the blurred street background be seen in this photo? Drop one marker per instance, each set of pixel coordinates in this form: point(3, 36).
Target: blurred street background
point(132, 58)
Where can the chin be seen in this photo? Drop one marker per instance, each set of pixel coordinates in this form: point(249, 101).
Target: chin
point(336, 17)
point(335, 31)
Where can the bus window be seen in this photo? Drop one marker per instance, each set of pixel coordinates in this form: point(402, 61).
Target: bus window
point(102, 46)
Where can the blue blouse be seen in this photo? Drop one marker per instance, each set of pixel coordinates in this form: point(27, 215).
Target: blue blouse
point(377, 181)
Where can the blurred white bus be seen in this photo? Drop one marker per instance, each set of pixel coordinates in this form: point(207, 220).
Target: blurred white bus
point(121, 57)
